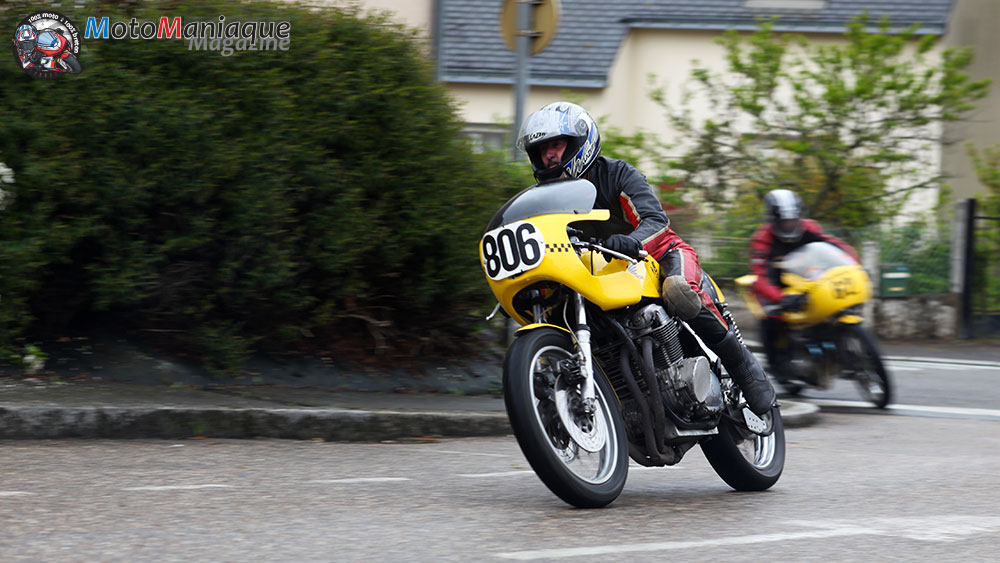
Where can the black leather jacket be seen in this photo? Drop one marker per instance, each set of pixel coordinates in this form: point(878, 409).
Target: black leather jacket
point(634, 207)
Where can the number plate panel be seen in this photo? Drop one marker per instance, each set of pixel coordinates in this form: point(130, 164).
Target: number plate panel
point(511, 249)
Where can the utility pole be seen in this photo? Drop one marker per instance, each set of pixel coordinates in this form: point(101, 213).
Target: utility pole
point(527, 27)
point(525, 35)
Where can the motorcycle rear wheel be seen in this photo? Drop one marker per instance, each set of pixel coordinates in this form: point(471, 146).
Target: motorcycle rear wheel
point(865, 365)
point(747, 461)
point(534, 385)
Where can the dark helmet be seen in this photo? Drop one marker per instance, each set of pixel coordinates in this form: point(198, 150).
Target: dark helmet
point(784, 210)
point(561, 120)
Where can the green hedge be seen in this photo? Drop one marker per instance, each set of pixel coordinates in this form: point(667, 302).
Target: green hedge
point(287, 198)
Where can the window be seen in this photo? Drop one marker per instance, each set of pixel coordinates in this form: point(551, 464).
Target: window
point(486, 136)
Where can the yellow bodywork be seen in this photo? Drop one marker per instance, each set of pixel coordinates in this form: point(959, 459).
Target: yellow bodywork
point(833, 292)
point(609, 285)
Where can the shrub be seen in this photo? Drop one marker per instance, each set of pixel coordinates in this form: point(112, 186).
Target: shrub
point(234, 202)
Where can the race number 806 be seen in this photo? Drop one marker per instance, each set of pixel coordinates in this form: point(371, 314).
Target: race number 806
point(512, 249)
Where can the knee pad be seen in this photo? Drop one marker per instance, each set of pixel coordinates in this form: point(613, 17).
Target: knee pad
point(679, 299)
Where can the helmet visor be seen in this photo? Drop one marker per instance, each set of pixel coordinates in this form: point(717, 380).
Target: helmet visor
point(788, 229)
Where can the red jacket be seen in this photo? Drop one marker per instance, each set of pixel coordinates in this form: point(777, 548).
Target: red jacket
point(765, 248)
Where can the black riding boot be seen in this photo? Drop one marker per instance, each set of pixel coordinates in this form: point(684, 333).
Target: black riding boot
point(745, 370)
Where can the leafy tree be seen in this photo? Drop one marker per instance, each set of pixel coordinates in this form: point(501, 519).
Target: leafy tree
point(845, 124)
point(987, 163)
point(638, 149)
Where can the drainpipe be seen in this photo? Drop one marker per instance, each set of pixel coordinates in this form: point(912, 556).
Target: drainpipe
point(437, 26)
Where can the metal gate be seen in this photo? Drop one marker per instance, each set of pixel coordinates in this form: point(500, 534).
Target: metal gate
point(981, 279)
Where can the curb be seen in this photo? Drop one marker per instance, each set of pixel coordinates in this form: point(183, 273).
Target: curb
point(39, 423)
point(342, 425)
point(797, 414)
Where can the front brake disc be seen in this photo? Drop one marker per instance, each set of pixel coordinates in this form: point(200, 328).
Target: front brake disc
point(592, 438)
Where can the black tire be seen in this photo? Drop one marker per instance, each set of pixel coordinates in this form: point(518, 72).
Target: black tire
point(579, 477)
point(791, 389)
point(789, 386)
point(744, 460)
point(863, 361)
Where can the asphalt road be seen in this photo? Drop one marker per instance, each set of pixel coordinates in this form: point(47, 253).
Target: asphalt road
point(855, 488)
point(914, 483)
point(928, 385)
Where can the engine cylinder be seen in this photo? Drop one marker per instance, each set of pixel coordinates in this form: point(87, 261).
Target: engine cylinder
point(653, 320)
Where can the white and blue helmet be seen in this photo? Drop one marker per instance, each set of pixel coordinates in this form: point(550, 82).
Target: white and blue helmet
point(27, 37)
point(566, 120)
point(26, 33)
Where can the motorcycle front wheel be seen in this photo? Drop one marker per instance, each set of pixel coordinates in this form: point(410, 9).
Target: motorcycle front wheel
point(747, 461)
point(863, 363)
point(581, 457)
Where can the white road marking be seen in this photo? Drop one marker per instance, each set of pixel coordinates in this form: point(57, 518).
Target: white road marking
point(631, 468)
point(924, 366)
point(937, 528)
point(909, 408)
point(925, 360)
point(896, 367)
point(178, 487)
point(13, 493)
point(498, 474)
point(360, 480)
point(470, 453)
point(976, 364)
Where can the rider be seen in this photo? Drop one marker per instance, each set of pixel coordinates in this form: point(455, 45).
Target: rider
point(562, 140)
point(27, 40)
point(785, 230)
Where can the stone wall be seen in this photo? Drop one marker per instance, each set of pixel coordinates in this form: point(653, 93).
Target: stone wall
point(919, 316)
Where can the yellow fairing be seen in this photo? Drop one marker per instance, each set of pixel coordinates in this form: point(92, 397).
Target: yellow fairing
point(743, 284)
point(609, 285)
point(837, 289)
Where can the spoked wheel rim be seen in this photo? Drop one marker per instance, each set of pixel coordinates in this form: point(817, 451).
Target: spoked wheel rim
point(551, 393)
point(759, 451)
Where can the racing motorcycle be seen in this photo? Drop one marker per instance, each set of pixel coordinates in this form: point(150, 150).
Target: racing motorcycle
point(825, 339)
point(47, 49)
point(599, 372)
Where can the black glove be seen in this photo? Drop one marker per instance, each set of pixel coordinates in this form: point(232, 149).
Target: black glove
point(624, 244)
point(794, 303)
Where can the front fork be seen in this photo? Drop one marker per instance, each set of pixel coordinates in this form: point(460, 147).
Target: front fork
point(584, 356)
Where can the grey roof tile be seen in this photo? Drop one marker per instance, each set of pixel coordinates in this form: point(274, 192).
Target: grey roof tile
point(590, 32)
